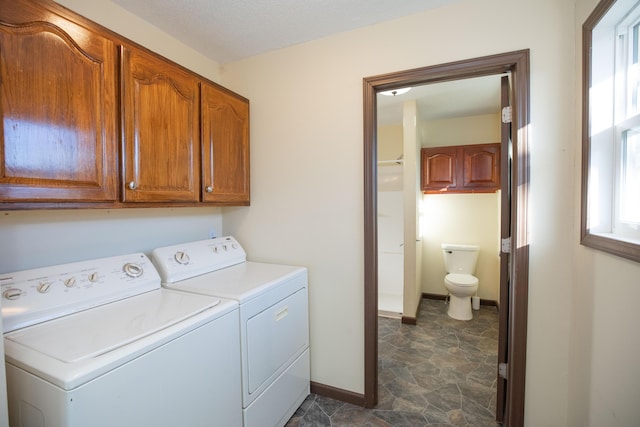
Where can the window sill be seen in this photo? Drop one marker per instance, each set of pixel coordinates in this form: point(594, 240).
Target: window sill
point(625, 247)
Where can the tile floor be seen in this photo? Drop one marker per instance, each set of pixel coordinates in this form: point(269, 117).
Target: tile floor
point(440, 372)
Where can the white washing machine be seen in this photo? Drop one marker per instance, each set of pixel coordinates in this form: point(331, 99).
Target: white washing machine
point(100, 343)
point(274, 320)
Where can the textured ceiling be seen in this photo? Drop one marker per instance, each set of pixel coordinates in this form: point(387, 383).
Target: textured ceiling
point(229, 30)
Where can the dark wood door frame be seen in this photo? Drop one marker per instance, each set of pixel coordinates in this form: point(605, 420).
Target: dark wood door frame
point(516, 63)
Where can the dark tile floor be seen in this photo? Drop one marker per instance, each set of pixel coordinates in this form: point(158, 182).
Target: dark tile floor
point(440, 372)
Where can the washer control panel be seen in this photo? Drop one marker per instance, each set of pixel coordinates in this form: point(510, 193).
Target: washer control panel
point(186, 260)
point(41, 294)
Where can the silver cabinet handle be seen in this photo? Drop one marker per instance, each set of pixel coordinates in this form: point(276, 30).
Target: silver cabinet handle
point(132, 185)
point(209, 189)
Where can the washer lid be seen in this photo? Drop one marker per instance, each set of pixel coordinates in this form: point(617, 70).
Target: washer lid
point(462, 279)
point(71, 350)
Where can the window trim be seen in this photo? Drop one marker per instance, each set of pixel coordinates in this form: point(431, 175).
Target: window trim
point(601, 241)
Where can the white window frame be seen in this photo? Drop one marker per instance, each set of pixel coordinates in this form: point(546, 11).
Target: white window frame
point(609, 110)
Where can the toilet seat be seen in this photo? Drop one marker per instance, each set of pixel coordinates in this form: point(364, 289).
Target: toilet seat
point(461, 279)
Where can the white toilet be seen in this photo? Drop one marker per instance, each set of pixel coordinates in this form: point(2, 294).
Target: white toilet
point(460, 263)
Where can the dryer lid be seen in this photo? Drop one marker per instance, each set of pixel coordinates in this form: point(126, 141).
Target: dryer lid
point(462, 279)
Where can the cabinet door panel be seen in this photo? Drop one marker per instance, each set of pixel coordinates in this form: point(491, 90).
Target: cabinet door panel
point(57, 104)
point(161, 130)
point(438, 169)
point(225, 138)
point(481, 166)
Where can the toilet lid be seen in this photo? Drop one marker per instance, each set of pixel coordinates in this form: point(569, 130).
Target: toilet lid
point(462, 279)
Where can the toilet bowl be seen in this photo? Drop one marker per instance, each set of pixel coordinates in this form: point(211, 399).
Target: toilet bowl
point(460, 264)
point(461, 288)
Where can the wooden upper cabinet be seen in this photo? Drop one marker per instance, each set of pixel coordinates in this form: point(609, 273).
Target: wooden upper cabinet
point(481, 167)
point(161, 130)
point(439, 171)
point(225, 146)
point(58, 124)
point(461, 169)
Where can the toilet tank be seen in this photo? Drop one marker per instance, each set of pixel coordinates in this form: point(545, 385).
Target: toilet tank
point(460, 259)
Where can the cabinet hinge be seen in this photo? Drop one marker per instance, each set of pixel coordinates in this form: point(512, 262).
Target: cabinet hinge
point(506, 114)
point(506, 245)
point(502, 370)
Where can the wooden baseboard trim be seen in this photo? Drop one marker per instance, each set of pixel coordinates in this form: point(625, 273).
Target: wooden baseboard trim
point(407, 320)
point(434, 296)
point(337, 393)
point(439, 297)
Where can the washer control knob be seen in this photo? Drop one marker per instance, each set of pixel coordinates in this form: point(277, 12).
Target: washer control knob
point(215, 250)
point(12, 293)
point(70, 282)
point(132, 269)
point(44, 287)
point(182, 257)
point(94, 277)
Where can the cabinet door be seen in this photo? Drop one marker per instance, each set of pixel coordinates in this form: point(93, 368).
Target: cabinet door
point(225, 147)
point(58, 124)
point(439, 169)
point(481, 167)
point(160, 121)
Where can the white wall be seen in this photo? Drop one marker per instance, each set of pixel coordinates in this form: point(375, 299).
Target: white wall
point(604, 376)
point(307, 185)
point(469, 219)
point(480, 129)
point(33, 239)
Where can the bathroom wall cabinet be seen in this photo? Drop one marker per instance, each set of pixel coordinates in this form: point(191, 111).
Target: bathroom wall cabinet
point(91, 119)
point(460, 169)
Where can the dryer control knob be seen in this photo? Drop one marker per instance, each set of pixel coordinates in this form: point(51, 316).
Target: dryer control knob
point(182, 257)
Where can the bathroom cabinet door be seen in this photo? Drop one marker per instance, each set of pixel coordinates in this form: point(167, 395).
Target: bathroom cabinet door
point(439, 169)
point(481, 167)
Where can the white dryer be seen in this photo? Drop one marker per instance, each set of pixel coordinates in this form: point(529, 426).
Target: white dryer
point(100, 343)
point(274, 320)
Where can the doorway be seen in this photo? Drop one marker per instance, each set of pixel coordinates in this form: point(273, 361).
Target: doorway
point(513, 306)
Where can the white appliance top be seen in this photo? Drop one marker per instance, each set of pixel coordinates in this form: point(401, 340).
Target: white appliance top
point(241, 282)
point(102, 329)
point(223, 272)
point(72, 350)
point(71, 323)
point(41, 294)
point(186, 260)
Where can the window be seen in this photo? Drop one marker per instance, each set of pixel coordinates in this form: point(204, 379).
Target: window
point(611, 129)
